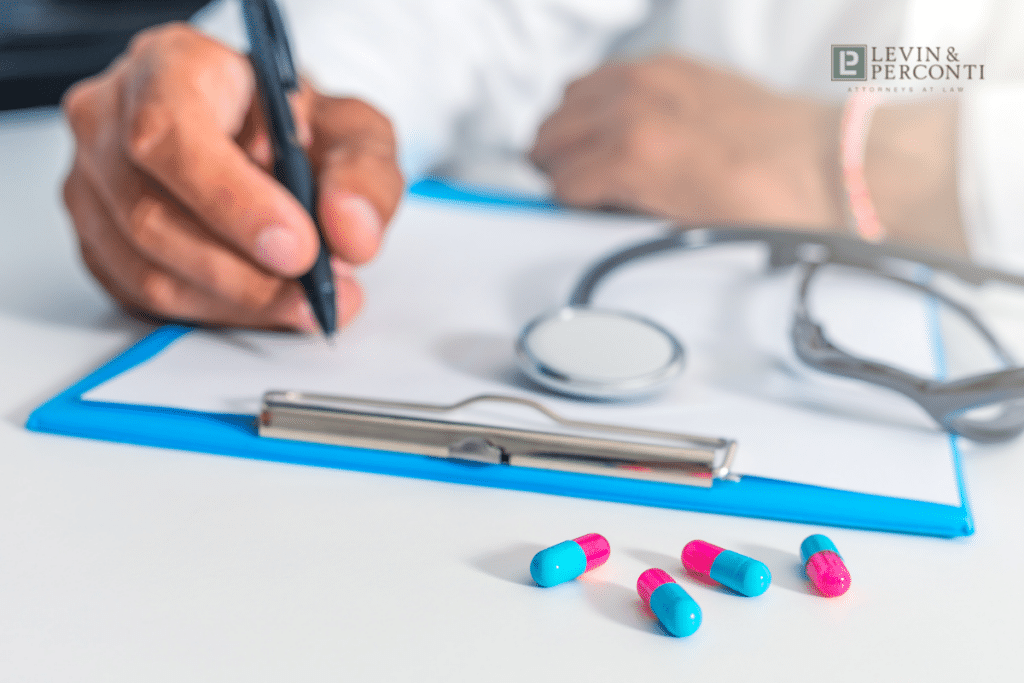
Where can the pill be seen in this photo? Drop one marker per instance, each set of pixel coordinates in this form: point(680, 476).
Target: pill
point(567, 560)
point(678, 613)
point(743, 574)
point(824, 566)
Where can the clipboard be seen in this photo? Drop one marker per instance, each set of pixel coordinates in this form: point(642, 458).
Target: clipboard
point(69, 413)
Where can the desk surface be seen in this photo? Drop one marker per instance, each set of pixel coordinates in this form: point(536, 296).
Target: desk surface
point(124, 563)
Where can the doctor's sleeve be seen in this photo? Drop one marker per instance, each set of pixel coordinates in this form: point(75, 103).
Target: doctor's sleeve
point(446, 72)
point(991, 174)
point(990, 150)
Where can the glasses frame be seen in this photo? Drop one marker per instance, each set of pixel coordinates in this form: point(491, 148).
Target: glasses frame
point(947, 402)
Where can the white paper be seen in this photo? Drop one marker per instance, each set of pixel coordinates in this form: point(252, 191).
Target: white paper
point(454, 284)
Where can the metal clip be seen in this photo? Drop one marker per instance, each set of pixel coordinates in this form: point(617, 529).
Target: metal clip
point(638, 453)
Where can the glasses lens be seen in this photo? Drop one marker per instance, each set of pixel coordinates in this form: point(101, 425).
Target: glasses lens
point(902, 324)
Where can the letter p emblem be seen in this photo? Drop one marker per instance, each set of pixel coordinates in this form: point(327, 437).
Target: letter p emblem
point(849, 63)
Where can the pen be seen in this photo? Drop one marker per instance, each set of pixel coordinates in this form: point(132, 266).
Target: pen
point(275, 74)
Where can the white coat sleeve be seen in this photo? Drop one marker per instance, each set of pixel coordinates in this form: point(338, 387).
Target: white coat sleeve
point(991, 149)
point(992, 174)
point(448, 73)
point(990, 154)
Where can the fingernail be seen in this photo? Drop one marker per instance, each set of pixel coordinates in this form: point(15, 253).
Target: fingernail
point(361, 211)
point(278, 248)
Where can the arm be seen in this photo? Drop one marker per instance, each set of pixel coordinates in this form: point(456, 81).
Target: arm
point(170, 193)
point(910, 168)
point(944, 173)
point(676, 138)
point(991, 174)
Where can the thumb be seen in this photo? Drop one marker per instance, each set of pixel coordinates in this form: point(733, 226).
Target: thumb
point(360, 184)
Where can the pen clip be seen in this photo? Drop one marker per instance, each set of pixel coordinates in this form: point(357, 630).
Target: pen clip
point(277, 47)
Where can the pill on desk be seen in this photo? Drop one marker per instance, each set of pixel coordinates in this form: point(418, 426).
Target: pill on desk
point(675, 609)
point(743, 574)
point(567, 560)
point(824, 567)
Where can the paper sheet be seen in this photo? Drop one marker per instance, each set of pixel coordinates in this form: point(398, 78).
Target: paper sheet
point(454, 284)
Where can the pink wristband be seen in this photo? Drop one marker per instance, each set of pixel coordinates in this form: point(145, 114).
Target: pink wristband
point(853, 141)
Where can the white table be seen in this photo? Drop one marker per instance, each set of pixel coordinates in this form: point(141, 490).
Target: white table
point(125, 563)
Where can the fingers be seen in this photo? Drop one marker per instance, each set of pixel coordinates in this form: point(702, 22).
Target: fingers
point(254, 139)
point(583, 145)
point(238, 200)
point(566, 134)
point(594, 177)
point(182, 108)
point(151, 226)
point(623, 138)
point(144, 285)
point(170, 238)
point(360, 184)
point(590, 159)
point(584, 113)
point(171, 196)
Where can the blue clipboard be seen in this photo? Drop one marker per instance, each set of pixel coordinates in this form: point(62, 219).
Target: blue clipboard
point(236, 435)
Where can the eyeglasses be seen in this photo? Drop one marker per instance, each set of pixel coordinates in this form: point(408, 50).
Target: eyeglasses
point(987, 407)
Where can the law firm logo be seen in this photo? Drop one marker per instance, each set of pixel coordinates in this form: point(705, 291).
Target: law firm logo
point(849, 63)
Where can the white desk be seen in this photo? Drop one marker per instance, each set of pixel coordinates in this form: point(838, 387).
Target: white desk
point(124, 563)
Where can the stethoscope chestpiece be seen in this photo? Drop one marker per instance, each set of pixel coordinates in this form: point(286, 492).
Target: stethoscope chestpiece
point(598, 353)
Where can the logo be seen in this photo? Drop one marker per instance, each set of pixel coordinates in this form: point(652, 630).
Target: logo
point(849, 63)
point(895, 68)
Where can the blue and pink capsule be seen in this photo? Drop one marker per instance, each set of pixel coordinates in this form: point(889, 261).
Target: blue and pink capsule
point(678, 613)
point(743, 574)
point(569, 559)
point(824, 567)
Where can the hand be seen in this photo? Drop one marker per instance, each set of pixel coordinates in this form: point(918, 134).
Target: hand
point(171, 193)
point(674, 138)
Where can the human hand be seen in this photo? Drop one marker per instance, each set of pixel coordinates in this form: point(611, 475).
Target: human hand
point(675, 138)
point(172, 196)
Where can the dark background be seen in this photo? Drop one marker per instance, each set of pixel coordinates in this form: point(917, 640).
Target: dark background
point(46, 45)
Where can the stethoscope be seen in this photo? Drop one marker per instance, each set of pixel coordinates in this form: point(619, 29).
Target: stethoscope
point(590, 352)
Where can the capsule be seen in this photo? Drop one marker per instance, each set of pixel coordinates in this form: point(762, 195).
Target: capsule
point(743, 574)
point(824, 566)
point(678, 613)
point(569, 559)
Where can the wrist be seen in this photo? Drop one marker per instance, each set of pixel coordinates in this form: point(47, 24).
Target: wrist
point(829, 168)
point(803, 182)
point(910, 172)
point(857, 114)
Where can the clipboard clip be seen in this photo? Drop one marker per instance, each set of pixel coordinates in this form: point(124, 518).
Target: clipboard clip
point(574, 446)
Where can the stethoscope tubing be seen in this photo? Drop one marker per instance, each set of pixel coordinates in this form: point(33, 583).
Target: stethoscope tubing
point(945, 401)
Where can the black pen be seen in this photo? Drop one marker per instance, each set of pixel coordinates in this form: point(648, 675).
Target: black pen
point(271, 59)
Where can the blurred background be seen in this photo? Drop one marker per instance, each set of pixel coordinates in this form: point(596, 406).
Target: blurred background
point(46, 45)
